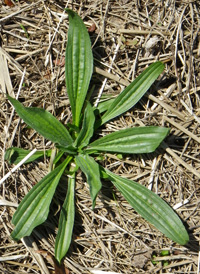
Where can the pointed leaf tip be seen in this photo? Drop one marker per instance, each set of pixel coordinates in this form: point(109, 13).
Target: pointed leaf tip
point(43, 122)
point(131, 140)
point(78, 64)
point(151, 207)
point(34, 208)
point(66, 222)
point(133, 93)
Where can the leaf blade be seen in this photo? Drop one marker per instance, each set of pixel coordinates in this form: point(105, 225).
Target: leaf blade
point(87, 129)
point(66, 222)
point(78, 64)
point(34, 208)
point(131, 140)
point(151, 207)
point(14, 155)
point(43, 122)
point(133, 93)
point(91, 170)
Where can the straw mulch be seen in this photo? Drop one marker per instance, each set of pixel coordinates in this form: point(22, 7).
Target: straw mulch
point(126, 37)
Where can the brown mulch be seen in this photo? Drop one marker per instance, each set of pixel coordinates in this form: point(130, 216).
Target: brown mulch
point(126, 37)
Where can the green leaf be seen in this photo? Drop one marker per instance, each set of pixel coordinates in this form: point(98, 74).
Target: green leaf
point(43, 122)
point(103, 106)
point(87, 128)
point(91, 170)
point(14, 155)
point(131, 140)
point(34, 208)
point(58, 156)
point(78, 64)
point(151, 207)
point(70, 149)
point(132, 94)
point(66, 222)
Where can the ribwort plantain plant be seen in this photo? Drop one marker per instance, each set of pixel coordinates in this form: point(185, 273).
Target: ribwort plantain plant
point(75, 150)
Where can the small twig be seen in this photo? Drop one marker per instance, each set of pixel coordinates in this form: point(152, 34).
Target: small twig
point(105, 80)
point(19, 11)
point(198, 266)
point(190, 111)
point(180, 161)
point(150, 184)
point(142, 32)
point(181, 204)
point(56, 30)
point(18, 165)
point(181, 128)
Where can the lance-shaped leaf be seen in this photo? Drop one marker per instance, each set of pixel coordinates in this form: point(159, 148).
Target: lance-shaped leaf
point(87, 129)
point(14, 155)
point(66, 222)
point(43, 122)
point(131, 140)
point(34, 208)
point(78, 64)
point(150, 206)
point(91, 170)
point(132, 94)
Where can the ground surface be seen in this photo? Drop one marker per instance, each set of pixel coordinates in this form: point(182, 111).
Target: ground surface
point(126, 36)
